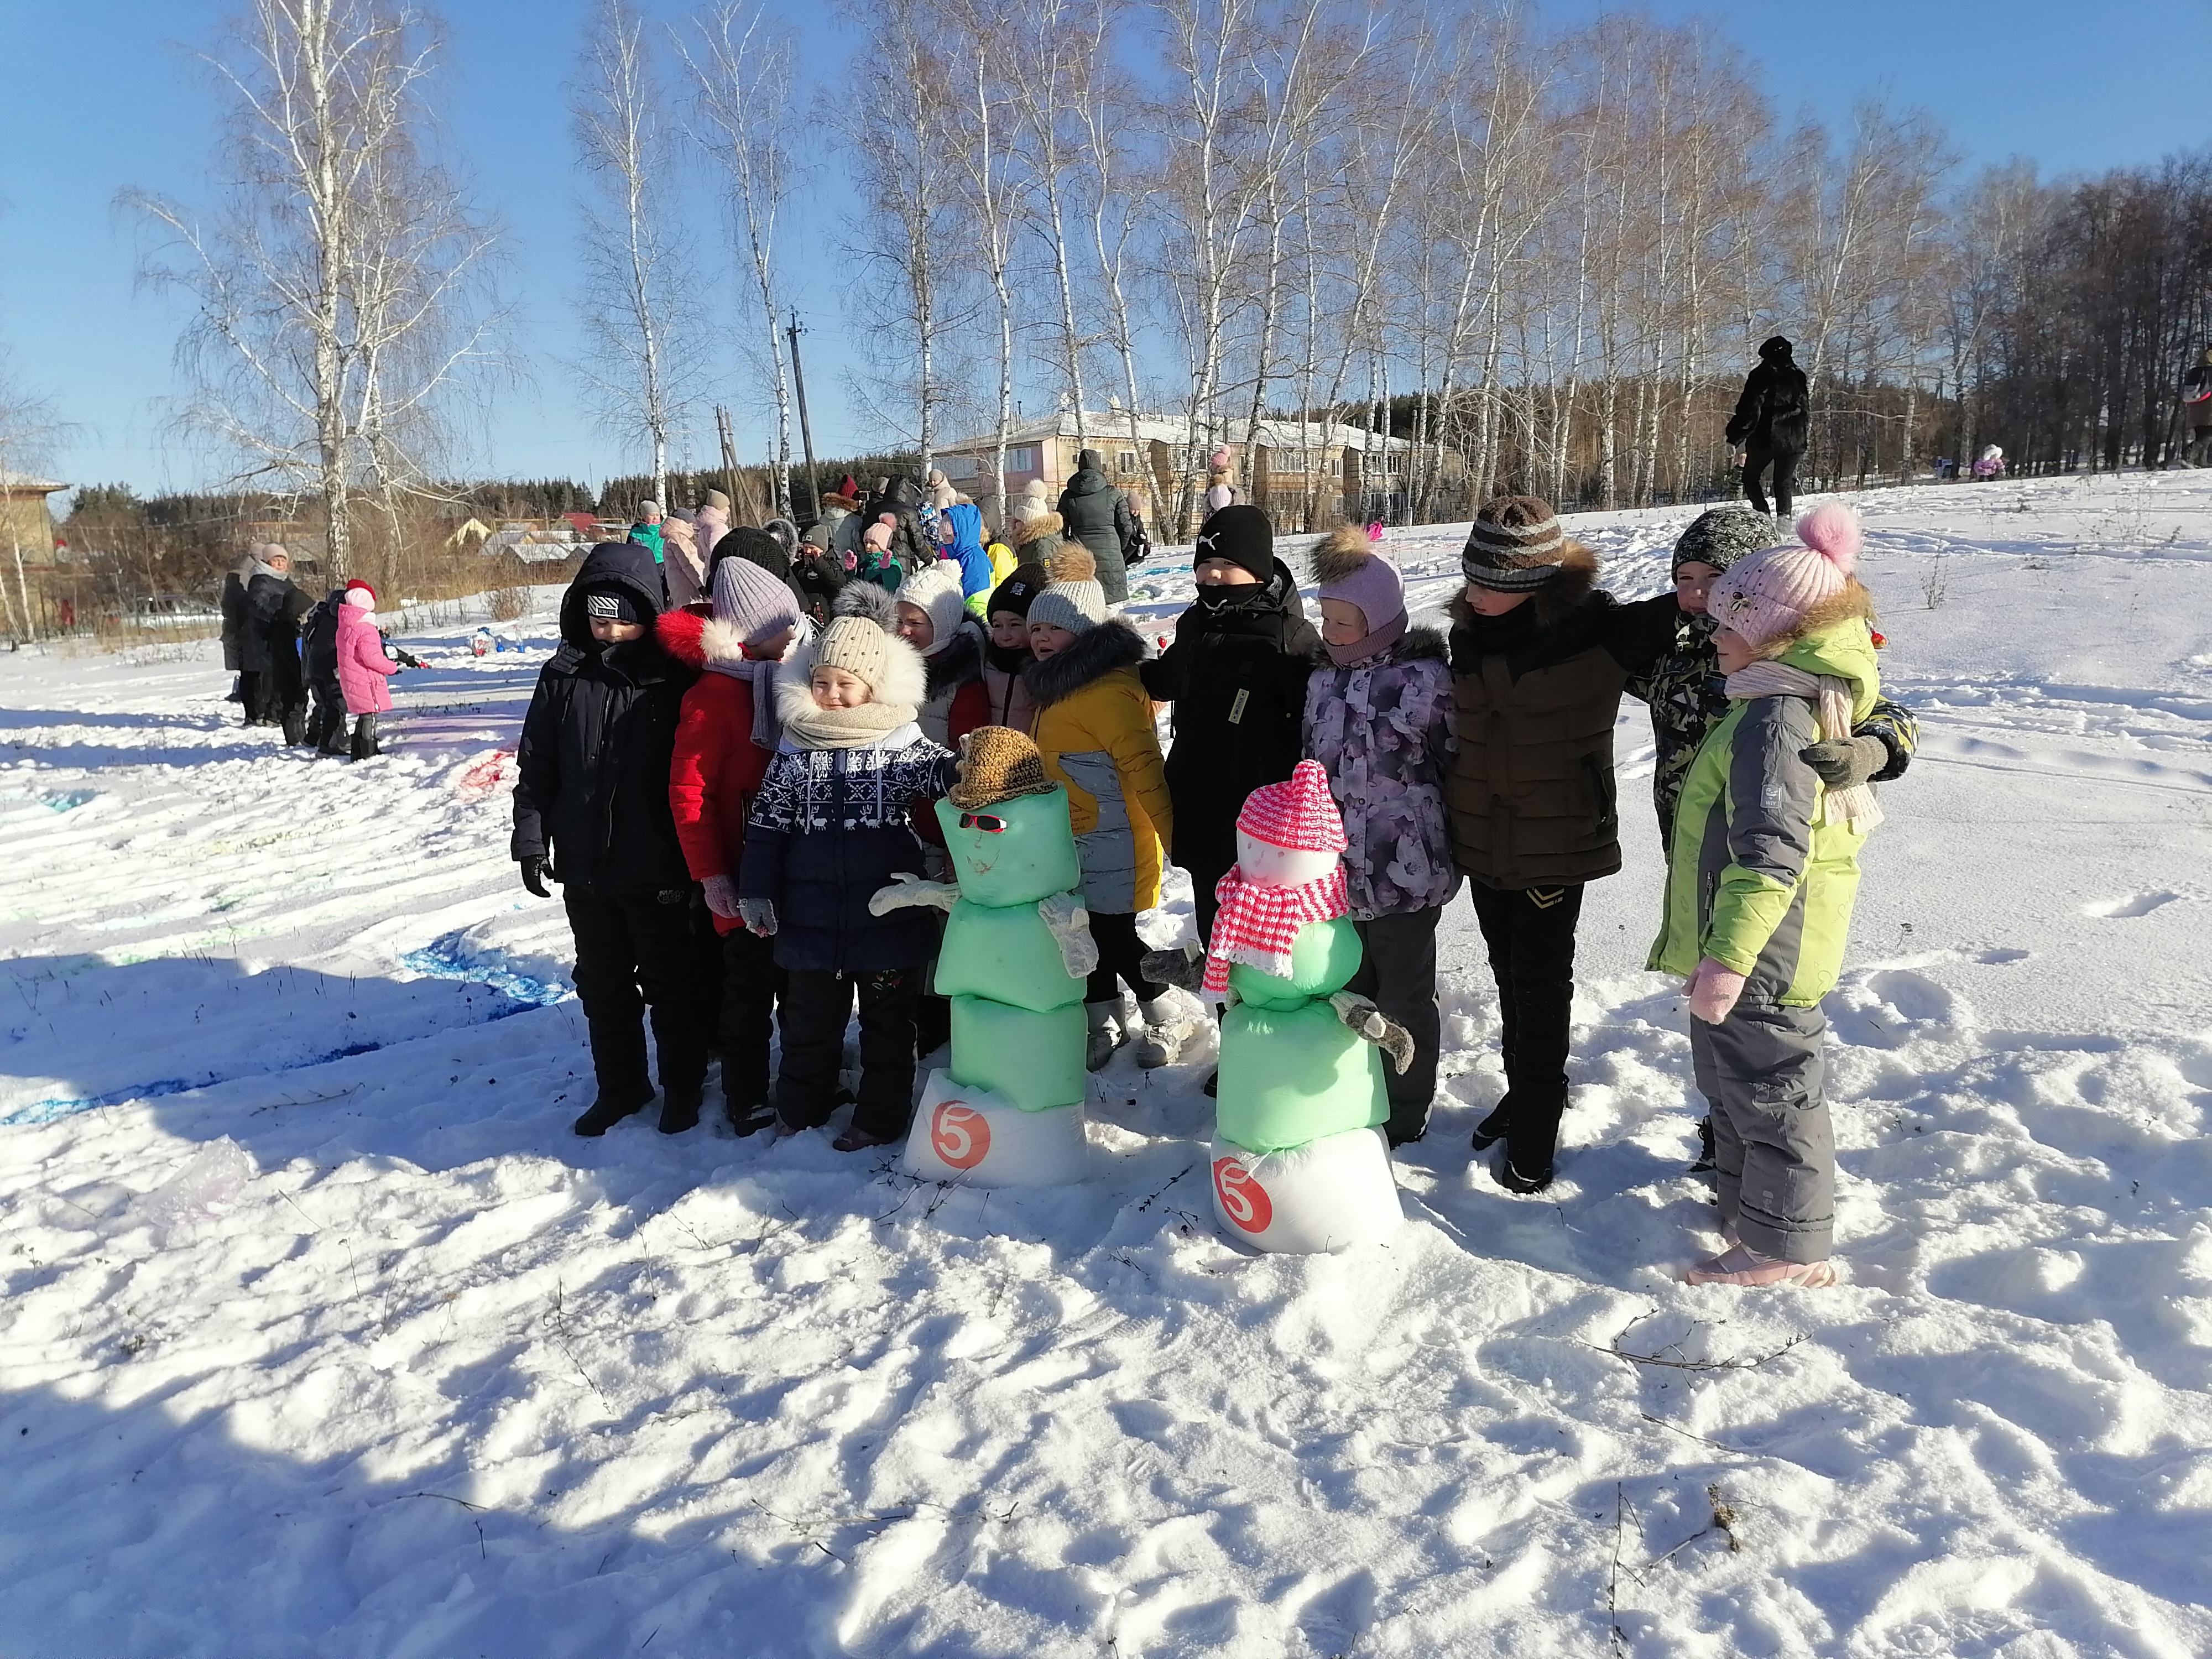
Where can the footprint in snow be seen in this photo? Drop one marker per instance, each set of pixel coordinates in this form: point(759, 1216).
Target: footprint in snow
point(2135, 904)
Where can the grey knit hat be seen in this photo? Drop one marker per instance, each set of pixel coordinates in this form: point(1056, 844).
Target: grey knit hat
point(1516, 545)
point(1075, 600)
point(1723, 535)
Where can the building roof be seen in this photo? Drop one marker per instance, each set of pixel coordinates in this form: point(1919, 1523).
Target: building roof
point(1113, 423)
point(23, 484)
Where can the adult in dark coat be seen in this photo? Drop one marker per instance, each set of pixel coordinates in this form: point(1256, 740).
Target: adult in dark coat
point(1236, 674)
point(269, 647)
point(591, 811)
point(1771, 420)
point(1095, 513)
point(233, 610)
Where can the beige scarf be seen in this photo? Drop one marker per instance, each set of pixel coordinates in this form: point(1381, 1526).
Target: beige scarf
point(809, 725)
point(1832, 698)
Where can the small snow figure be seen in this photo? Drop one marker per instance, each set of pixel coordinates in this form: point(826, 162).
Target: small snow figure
point(480, 642)
point(1299, 1161)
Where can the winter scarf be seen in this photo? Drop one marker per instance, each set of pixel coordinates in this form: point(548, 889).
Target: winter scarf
point(806, 725)
point(1375, 642)
point(1256, 925)
point(1832, 698)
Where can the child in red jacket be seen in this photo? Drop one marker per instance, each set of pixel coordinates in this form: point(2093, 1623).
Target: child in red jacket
point(726, 736)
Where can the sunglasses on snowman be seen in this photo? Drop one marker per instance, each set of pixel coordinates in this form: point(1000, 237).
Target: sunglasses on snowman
point(983, 821)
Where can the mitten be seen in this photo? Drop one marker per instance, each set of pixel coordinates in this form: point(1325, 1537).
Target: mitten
point(758, 915)
point(1071, 930)
point(1713, 990)
point(1846, 762)
point(909, 890)
point(1183, 965)
point(1371, 1024)
point(535, 869)
point(722, 896)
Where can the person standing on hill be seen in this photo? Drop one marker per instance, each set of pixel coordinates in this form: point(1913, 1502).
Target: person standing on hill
point(1097, 514)
point(271, 645)
point(2196, 410)
point(234, 620)
point(1771, 420)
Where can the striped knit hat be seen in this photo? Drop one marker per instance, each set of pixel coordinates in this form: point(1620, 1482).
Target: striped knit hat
point(1516, 545)
point(1298, 813)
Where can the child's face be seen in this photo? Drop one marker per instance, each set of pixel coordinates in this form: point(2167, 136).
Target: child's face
point(1693, 583)
point(914, 626)
point(1489, 602)
point(607, 631)
point(1010, 631)
point(772, 648)
point(1735, 653)
point(834, 688)
point(1342, 623)
point(1047, 641)
point(1225, 573)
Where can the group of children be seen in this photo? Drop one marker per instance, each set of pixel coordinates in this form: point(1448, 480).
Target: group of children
point(796, 764)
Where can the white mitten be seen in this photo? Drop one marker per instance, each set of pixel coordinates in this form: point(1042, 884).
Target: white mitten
point(909, 890)
point(1071, 930)
point(722, 896)
point(1369, 1023)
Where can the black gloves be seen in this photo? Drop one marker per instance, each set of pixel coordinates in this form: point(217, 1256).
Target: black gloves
point(536, 870)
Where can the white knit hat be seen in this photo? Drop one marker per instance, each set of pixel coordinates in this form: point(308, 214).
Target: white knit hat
point(934, 590)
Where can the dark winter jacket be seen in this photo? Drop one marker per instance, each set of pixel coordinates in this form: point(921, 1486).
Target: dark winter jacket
point(1236, 674)
point(269, 643)
point(1382, 731)
point(591, 771)
point(1536, 691)
point(901, 499)
point(829, 827)
point(1097, 514)
point(233, 620)
point(1688, 697)
point(319, 647)
point(1775, 411)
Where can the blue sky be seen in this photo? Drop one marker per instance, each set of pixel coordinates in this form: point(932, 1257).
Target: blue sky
point(104, 95)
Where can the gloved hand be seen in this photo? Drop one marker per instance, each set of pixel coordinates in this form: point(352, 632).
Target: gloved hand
point(406, 659)
point(758, 915)
point(1371, 1024)
point(1180, 965)
point(907, 890)
point(536, 870)
point(1071, 930)
point(1846, 762)
point(722, 897)
point(1713, 990)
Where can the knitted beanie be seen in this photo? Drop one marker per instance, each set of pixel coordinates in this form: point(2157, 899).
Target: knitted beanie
point(360, 596)
point(859, 647)
point(934, 590)
point(753, 602)
point(1240, 534)
point(997, 763)
point(718, 501)
point(1019, 591)
point(1075, 601)
point(1722, 535)
point(357, 585)
point(1766, 597)
point(612, 604)
point(1515, 546)
point(1298, 814)
point(1350, 567)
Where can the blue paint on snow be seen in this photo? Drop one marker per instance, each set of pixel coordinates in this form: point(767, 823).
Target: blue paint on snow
point(453, 957)
point(46, 1111)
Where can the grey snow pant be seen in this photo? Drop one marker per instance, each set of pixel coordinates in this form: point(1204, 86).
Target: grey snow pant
point(1774, 1146)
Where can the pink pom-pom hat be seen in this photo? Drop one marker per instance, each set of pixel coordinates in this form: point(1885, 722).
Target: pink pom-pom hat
point(1766, 596)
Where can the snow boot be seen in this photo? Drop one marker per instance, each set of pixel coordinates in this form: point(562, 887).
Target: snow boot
point(1166, 1030)
point(1403, 1128)
point(748, 1117)
point(1212, 1082)
point(1532, 1137)
point(680, 1108)
point(606, 1111)
point(1742, 1265)
point(1704, 1164)
point(1105, 1019)
point(1491, 1130)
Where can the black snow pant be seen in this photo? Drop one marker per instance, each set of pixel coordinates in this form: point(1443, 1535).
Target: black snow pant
point(1774, 1149)
point(1202, 883)
point(1121, 959)
point(751, 982)
point(815, 1007)
point(933, 1014)
point(1785, 463)
point(326, 722)
point(1398, 971)
point(253, 696)
point(1531, 935)
point(634, 951)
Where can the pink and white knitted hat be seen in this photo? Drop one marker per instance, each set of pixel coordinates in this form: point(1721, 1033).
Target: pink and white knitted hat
point(1766, 596)
point(1299, 813)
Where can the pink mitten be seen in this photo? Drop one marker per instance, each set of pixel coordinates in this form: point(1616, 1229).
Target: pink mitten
point(1712, 991)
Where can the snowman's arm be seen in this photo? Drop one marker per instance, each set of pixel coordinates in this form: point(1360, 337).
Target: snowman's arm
point(1070, 922)
point(909, 890)
point(1369, 1023)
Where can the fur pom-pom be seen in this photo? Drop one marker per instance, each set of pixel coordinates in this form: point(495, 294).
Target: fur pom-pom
point(1073, 563)
point(1831, 529)
point(866, 598)
point(1340, 554)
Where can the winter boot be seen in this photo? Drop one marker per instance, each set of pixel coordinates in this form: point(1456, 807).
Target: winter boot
point(1704, 1164)
point(365, 747)
point(1166, 1030)
point(1405, 1126)
point(1743, 1266)
point(680, 1108)
point(1531, 1138)
point(1491, 1130)
point(1105, 1019)
point(747, 1117)
point(606, 1111)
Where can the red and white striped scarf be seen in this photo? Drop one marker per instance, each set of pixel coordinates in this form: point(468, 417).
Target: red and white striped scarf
point(1255, 924)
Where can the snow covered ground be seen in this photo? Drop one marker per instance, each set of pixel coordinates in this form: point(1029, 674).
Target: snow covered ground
point(323, 1336)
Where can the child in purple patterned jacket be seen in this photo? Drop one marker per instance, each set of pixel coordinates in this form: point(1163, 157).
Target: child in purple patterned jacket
point(1378, 719)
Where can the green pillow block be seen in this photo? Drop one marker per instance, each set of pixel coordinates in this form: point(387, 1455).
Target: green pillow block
point(1009, 956)
point(1033, 1059)
point(1292, 1075)
point(1324, 956)
point(1031, 857)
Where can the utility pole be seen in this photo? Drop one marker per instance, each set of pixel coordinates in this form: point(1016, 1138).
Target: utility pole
point(805, 428)
point(729, 462)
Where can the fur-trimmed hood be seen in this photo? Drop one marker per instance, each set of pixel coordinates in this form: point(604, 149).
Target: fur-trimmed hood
point(904, 686)
point(710, 643)
point(958, 663)
point(1557, 598)
point(1037, 529)
point(1095, 654)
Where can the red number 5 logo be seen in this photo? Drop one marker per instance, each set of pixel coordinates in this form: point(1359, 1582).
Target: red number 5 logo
point(1243, 1200)
point(959, 1135)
